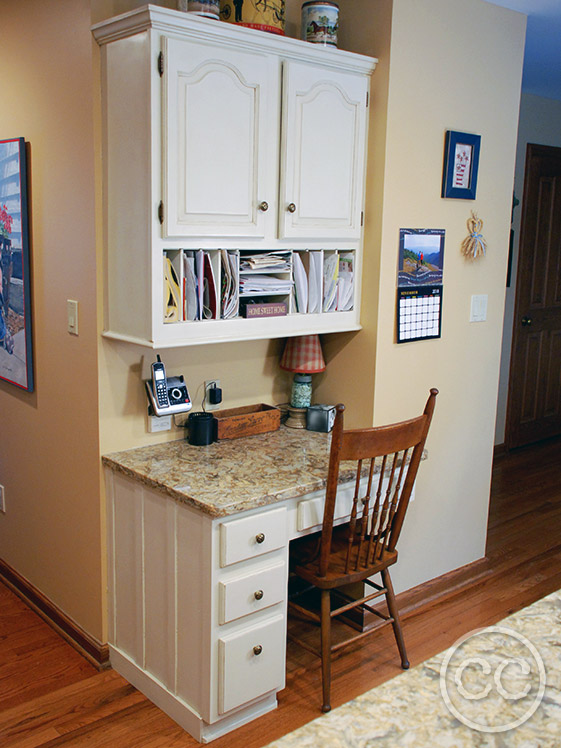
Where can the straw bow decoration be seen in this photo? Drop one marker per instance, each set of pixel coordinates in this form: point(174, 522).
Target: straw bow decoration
point(474, 244)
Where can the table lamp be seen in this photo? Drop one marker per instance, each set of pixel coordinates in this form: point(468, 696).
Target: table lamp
point(304, 357)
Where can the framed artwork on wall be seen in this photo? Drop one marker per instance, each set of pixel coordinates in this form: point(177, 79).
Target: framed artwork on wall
point(16, 350)
point(461, 164)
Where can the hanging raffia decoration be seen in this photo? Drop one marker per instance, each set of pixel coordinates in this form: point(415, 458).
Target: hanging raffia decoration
point(474, 244)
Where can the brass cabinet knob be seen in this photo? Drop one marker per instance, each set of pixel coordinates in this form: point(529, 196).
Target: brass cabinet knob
point(264, 206)
point(291, 208)
point(258, 594)
point(257, 649)
point(260, 538)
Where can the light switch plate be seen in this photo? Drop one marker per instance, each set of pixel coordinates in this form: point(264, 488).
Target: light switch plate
point(478, 308)
point(72, 314)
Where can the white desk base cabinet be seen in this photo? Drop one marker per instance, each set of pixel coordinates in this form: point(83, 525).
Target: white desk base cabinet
point(198, 604)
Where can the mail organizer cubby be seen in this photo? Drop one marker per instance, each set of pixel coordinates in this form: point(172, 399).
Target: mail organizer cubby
point(212, 285)
point(222, 144)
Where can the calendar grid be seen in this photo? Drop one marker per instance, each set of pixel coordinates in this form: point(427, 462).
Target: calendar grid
point(418, 313)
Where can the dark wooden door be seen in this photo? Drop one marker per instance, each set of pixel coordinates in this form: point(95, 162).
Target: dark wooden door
point(534, 402)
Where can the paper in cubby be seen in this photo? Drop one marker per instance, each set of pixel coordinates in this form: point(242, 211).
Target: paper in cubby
point(330, 277)
point(300, 283)
point(345, 283)
point(172, 293)
point(230, 284)
point(314, 282)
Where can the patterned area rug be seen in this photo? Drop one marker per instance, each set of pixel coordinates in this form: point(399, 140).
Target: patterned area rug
point(498, 687)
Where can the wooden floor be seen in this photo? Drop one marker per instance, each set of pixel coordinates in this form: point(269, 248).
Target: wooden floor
point(50, 696)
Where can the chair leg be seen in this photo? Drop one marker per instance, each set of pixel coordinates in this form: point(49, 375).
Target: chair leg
point(326, 649)
point(396, 623)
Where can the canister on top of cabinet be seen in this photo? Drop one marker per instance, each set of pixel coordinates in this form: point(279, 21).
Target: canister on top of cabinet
point(208, 8)
point(320, 22)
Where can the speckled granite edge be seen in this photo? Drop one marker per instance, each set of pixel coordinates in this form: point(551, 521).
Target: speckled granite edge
point(233, 475)
point(410, 711)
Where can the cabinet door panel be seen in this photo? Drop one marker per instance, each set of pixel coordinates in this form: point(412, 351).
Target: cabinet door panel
point(220, 124)
point(323, 156)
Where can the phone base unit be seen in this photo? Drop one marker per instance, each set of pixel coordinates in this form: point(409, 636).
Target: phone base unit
point(169, 396)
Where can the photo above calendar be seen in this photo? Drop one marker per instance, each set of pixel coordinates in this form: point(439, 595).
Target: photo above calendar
point(419, 284)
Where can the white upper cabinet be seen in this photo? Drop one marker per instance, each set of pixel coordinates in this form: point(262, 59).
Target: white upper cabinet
point(220, 125)
point(220, 143)
point(322, 171)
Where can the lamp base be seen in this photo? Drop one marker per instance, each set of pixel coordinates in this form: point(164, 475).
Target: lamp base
point(296, 418)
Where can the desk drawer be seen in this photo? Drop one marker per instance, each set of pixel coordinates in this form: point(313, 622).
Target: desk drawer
point(251, 663)
point(248, 593)
point(310, 511)
point(252, 536)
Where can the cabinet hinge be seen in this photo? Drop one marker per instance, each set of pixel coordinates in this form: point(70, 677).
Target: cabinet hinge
point(161, 212)
point(161, 64)
point(362, 218)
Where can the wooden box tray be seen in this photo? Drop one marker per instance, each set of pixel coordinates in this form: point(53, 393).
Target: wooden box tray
point(246, 421)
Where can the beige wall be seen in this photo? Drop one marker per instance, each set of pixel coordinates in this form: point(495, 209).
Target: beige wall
point(454, 65)
point(540, 122)
point(51, 532)
point(49, 451)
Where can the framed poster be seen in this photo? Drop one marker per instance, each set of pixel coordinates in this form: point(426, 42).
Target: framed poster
point(461, 164)
point(419, 284)
point(16, 352)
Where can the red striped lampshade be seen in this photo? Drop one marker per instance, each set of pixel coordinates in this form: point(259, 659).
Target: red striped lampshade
point(303, 354)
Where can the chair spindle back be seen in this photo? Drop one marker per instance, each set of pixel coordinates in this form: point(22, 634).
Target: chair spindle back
point(387, 459)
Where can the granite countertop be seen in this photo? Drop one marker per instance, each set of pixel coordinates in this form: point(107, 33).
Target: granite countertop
point(234, 475)
point(518, 706)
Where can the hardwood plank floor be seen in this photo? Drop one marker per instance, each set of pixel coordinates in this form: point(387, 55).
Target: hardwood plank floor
point(50, 696)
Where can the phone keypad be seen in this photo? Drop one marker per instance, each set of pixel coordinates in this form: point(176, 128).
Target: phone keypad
point(161, 393)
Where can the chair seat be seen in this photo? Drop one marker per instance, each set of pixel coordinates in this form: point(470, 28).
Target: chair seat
point(304, 561)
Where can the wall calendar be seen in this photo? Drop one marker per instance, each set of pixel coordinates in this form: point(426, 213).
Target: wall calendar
point(419, 284)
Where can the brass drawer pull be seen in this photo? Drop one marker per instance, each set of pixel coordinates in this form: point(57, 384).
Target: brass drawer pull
point(257, 650)
point(264, 206)
point(258, 595)
point(260, 538)
point(291, 208)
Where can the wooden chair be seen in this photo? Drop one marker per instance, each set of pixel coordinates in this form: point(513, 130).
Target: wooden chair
point(366, 543)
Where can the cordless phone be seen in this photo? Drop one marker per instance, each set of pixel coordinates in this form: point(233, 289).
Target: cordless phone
point(159, 383)
point(167, 396)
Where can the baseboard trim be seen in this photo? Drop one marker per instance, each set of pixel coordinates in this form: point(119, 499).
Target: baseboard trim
point(88, 646)
point(446, 585)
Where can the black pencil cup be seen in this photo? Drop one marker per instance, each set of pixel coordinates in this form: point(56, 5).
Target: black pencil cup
point(200, 429)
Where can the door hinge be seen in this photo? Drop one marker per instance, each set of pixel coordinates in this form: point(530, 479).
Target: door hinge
point(161, 64)
point(362, 218)
point(161, 212)
point(367, 99)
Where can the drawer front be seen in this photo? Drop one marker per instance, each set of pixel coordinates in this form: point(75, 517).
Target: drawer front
point(310, 511)
point(251, 663)
point(245, 594)
point(252, 536)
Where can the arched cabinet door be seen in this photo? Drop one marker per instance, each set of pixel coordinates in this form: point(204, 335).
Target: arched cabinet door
point(323, 152)
point(220, 122)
